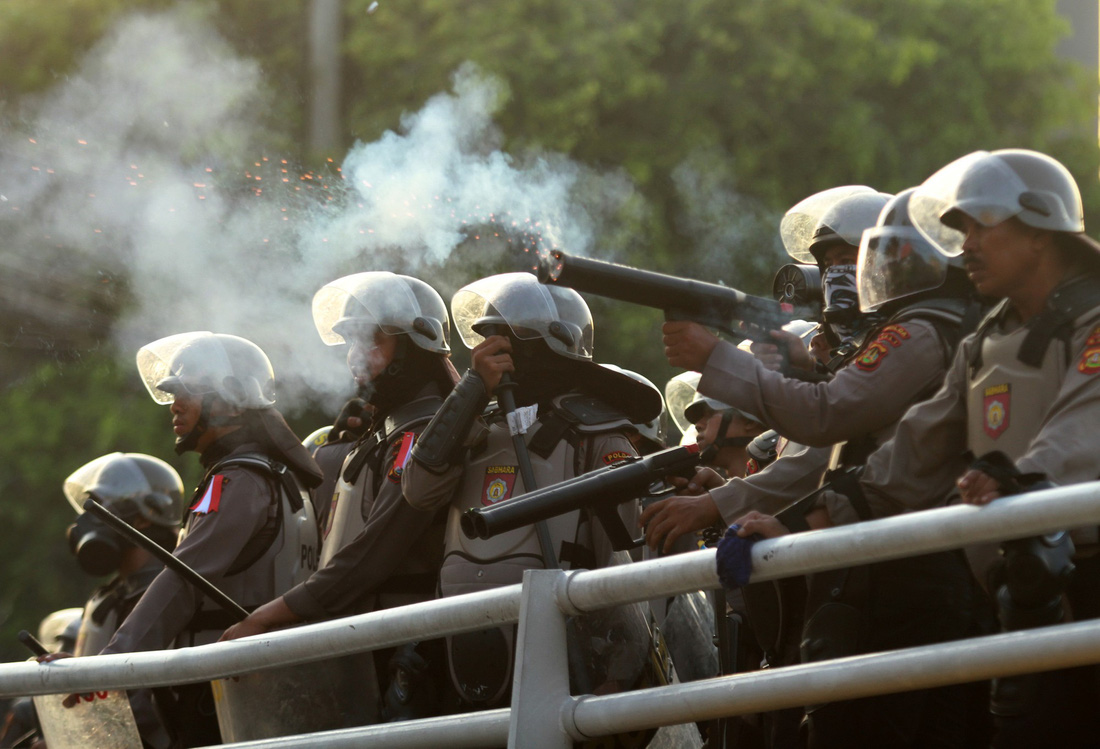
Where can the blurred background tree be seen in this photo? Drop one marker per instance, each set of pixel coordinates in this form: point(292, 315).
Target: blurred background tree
point(723, 114)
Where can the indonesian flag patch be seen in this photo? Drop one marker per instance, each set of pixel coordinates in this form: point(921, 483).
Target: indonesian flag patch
point(211, 498)
point(499, 482)
point(997, 400)
point(398, 467)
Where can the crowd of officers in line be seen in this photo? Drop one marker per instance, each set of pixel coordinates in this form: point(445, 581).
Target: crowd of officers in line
point(956, 360)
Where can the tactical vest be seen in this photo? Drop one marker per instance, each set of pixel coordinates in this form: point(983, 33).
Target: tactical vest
point(559, 447)
point(1016, 375)
point(363, 473)
point(108, 608)
point(288, 542)
point(1007, 399)
point(952, 319)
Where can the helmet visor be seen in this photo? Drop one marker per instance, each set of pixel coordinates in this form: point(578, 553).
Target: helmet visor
point(801, 221)
point(978, 185)
point(356, 305)
point(113, 480)
point(895, 262)
point(531, 310)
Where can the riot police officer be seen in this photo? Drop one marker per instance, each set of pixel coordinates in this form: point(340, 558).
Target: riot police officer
point(378, 551)
point(531, 344)
point(249, 528)
point(891, 349)
point(1022, 394)
point(147, 493)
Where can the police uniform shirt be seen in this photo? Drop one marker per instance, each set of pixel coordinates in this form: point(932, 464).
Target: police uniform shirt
point(395, 540)
point(869, 394)
point(795, 473)
point(234, 507)
point(918, 468)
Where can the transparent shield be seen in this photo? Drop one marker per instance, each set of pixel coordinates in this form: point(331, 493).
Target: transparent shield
point(310, 697)
point(100, 719)
point(895, 262)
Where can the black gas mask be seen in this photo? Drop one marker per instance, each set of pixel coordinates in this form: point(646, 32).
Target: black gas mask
point(97, 548)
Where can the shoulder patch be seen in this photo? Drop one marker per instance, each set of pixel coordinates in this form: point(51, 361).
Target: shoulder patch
point(210, 499)
point(752, 466)
point(407, 441)
point(1090, 361)
point(615, 456)
point(1094, 338)
point(892, 336)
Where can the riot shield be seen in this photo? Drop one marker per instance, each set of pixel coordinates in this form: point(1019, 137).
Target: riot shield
point(100, 719)
point(319, 696)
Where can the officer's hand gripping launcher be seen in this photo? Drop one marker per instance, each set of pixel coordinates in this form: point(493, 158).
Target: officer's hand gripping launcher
point(600, 491)
point(709, 304)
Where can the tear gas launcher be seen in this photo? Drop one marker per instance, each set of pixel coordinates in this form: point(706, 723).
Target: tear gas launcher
point(709, 304)
point(599, 491)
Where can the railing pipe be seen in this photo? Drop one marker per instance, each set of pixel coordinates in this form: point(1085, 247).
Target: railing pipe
point(955, 662)
point(900, 536)
point(907, 535)
point(312, 642)
point(467, 731)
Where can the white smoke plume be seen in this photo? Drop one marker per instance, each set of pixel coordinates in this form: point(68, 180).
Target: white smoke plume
point(151, 163)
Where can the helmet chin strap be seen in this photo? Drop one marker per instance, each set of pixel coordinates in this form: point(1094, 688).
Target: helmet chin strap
point(207, 419)
point(723, 426)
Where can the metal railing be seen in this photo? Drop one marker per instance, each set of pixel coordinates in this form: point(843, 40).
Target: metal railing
point(546, 714)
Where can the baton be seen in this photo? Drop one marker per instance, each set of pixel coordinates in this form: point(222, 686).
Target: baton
point(32, 642)
point(171, 562)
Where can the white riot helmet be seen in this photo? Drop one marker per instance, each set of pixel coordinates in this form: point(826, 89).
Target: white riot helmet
point(993, 187)
point(201, 363)
point(129, 485)
point(839, 214)
point(382, 300)
point(556, 314)
point(896, 261)
point(686, 403)
point(58, 631)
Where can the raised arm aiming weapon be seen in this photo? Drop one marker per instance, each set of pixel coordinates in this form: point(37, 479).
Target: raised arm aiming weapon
point(599, 491)
point(709, 304)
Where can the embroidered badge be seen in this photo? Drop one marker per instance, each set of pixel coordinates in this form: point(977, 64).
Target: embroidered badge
point(211, 498)
point(996, 406)
point(890, 337)
point(499, 482)
point(752, 467)
point(1090, 361)
point(398, 467)
point(1094, 338)
point(615, 456)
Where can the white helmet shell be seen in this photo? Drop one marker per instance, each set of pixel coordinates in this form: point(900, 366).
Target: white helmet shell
point(556, 314)
point(202, 363)
point(991, 187)
point(836, 214)
point(129, 485)
point(385, 301)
